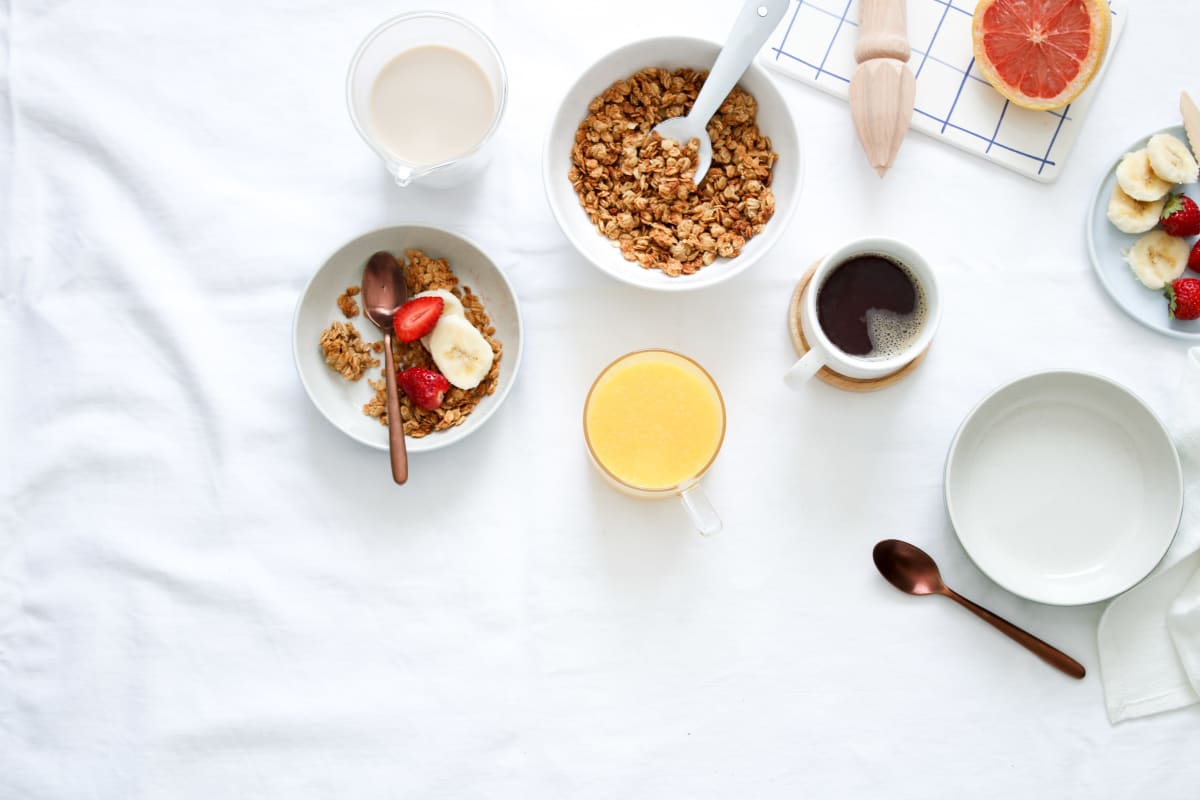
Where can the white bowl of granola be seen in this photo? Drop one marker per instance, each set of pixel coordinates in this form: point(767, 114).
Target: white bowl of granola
point(338, 352)
point(627, 202)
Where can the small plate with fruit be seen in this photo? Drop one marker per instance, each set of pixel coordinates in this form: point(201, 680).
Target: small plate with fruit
point(457, 339)
point(1143, 232)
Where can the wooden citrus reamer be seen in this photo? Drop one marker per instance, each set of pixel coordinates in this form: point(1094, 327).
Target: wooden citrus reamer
point(882, 89)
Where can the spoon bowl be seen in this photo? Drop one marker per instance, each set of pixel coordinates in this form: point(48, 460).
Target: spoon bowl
point(911, 570)
point(384, 292)
point(684, 130)
point(383, 289)
point(907, 567)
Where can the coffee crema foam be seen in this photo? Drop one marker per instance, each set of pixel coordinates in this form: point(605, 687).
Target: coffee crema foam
point(892, 334)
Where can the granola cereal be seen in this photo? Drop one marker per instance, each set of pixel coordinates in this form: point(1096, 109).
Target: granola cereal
point(423, 273)
point(345, 351)
point(637, 187)
point(347, 303)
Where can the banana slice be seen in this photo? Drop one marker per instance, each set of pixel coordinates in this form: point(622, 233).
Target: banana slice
point(1133, 216)
point(461, 352)
point(1137, 179)
point(452, 305)
point(1157, 259)
point(1171, 160)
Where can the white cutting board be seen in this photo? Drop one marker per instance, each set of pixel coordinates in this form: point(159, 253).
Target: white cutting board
point(814, 43)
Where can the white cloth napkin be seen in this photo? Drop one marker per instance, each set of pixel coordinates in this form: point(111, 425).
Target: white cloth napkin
point(1149, 637)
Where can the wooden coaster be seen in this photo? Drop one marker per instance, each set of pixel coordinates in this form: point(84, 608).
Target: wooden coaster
point(836, 379)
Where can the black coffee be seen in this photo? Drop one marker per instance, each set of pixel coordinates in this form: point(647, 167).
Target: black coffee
point(871, 306)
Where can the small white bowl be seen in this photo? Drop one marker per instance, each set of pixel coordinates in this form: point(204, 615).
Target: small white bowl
point(1064, 488)
point(341, 401)
point(668, 52)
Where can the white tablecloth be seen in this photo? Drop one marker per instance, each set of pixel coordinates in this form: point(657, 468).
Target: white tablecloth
point(207, 591)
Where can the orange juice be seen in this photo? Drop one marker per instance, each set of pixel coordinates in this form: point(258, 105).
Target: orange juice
point(654, 420)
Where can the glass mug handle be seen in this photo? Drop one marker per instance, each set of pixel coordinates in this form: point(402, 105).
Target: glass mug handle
point(803, 370)
point(699, 509)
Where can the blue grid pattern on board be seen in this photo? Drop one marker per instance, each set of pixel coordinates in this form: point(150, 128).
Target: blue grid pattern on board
point(925, 55)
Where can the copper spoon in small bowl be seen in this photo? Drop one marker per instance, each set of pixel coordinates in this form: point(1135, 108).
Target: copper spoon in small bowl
point(911, 570)
point(384, 291)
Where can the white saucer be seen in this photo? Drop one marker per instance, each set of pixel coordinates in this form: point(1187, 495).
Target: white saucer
point(1064, 488)
point(341, 401)
point(1106, 245)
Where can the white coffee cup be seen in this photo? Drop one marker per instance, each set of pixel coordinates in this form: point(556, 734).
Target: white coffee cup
point(824, 353)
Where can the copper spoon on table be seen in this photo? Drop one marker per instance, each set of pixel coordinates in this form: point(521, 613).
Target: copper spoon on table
point(911, 570)
point(384, 291)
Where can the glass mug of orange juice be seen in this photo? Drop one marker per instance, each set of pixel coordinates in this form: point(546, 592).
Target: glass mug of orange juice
point(653, 422)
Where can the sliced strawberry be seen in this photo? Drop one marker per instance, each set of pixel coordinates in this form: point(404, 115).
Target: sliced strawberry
point(417, 317)
point(424, 387)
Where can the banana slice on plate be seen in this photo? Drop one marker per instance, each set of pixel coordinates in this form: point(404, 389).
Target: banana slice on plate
point(1171, 159)
point(1133, 216)
point(1156, 259)
point(1137, 178)
point(460, 351)
point(452, 305)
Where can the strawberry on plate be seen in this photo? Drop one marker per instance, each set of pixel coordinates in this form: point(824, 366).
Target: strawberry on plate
point(1183, 297)
point(1181, 216)
point(417, 317)
point(1194, 257)
point(425, 387)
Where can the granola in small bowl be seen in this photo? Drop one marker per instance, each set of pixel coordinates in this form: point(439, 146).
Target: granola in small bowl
point(442, 398)
point(425, 275)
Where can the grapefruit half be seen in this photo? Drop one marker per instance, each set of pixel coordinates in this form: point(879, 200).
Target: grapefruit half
point(1040, 54)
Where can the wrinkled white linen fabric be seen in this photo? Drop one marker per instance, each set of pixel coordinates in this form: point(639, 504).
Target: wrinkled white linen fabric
point(1149, 644)
point(1149, 637)
point(207, 591)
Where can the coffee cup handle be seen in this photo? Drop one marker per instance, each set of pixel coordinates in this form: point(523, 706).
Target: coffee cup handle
point(703, 515)
point(803, 370)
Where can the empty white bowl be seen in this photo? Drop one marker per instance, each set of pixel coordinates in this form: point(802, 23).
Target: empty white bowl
point(1064, 488)
point(668, 52)
point(341, 401)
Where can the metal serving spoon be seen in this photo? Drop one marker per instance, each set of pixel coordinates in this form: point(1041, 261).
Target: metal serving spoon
point(911, 570)
point(384, 291)
point(754, 24)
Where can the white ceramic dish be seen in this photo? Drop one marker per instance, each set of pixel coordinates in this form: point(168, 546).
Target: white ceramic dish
point(1106, 246)
point(1064, 488)
point(671, 52)
point(340, 400)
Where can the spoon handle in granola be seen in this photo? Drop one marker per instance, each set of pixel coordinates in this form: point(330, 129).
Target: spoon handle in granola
point(751, 29)
point(396, 446)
